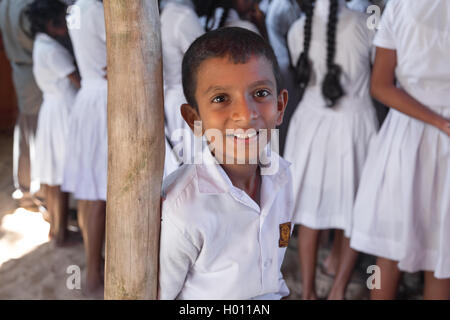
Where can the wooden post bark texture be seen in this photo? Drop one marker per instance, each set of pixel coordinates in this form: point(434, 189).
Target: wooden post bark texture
point(136, 148)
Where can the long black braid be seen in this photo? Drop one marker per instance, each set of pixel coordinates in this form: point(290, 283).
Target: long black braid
point(331, 86)
point(303, 67)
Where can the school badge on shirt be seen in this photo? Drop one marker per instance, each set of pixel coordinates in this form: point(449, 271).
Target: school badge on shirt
point(285, 234)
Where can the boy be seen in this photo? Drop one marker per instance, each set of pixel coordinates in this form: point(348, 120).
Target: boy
point(225, 227)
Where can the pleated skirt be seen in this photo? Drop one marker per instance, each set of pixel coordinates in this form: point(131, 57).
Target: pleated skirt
point(86, 170)
point(327, 149)
point(402, 210)
point(51, 137)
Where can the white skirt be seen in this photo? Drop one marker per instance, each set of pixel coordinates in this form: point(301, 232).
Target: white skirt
point(402, 210)
point(86, 170)
point(327, 149)
point(51, 138)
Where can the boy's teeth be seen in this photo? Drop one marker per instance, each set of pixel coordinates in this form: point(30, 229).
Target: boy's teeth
point(245, 136)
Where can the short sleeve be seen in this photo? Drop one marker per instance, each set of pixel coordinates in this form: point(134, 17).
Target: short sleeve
point(188, 29)
point(60, 61)
point(385, 35)
point(177, 254)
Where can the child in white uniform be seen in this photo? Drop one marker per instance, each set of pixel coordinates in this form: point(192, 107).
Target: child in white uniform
point(402, 211)
point(180, 26)
point(225, 227)
point(87, 159)
point(330, 131)
point(55, 73)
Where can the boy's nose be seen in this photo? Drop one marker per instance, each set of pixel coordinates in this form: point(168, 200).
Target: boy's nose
point(244, 111)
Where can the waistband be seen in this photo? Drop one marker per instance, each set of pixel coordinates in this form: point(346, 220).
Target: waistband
point(314, 99)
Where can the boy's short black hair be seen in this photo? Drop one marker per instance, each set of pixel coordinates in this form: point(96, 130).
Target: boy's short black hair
point(237, 43)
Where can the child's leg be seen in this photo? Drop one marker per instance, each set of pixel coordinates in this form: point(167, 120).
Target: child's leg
point(344, 272)
point(390, 277)
point(331, 263)
point(436, 289)
point(48, 213)
point(59, 208)
point(307, 249)
point(92, 219)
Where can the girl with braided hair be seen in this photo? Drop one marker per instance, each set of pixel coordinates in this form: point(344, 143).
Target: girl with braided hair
point(330, 131)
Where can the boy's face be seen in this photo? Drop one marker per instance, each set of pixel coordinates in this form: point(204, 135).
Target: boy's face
point(237, 96)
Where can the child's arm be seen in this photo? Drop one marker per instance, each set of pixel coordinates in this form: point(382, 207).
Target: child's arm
point(384, 90)
point(74, 77)
point(176, 257)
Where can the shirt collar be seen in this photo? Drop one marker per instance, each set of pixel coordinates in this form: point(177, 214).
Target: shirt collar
point(212, 178)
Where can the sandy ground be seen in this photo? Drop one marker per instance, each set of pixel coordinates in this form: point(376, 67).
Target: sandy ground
point(32, 268)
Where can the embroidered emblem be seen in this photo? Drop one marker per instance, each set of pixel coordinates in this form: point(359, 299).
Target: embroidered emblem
point(285, 234)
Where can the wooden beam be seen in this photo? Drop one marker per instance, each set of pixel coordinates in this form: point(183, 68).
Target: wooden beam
point(136, 148)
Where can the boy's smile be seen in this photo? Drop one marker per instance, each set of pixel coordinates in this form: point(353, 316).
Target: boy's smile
point(239, 102)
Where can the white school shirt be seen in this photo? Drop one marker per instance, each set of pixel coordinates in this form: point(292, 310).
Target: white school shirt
point(90, 50)
point(216, 242)
point(180, 26)
point(52, 63)
point(423, 67)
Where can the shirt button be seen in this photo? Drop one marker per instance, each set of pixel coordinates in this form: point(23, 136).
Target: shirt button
point(267, 263)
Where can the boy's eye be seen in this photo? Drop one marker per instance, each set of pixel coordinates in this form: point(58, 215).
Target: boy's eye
point(219, 99)
point(262, 93)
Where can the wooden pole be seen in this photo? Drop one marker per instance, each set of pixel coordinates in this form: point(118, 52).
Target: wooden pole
point(136, 148)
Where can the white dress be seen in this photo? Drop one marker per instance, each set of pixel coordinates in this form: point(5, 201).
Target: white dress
point(180, 26)
point(328, 147)
point(87, 159)
point(402, 211)
point(52, 63)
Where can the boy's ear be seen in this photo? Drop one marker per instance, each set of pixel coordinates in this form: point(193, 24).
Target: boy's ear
point(283, 98)
point(190, 115)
